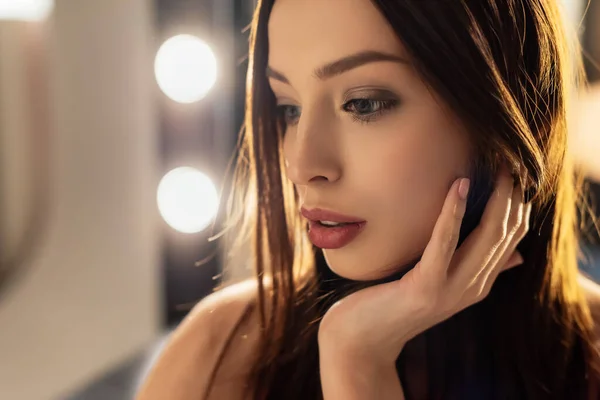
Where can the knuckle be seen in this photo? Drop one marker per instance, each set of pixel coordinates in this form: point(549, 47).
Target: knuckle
point(516, 220)
point(457, 216)
point(449, 241)
point(515, 231)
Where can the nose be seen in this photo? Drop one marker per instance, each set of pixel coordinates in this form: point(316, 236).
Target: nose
point(312, 152)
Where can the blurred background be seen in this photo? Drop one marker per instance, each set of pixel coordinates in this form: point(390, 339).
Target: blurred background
point(118, 120)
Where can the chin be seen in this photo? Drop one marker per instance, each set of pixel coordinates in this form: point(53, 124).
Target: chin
point(365, 268)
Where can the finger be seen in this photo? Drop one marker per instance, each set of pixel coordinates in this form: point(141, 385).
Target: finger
point(506, 256)
point(478, 249)
point(441, 247)
point(514, 260)
point(512, 257)
point(505, 263)
point(515, 220)
point(520, 228)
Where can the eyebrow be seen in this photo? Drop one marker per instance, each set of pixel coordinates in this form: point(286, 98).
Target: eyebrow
point(342, 65)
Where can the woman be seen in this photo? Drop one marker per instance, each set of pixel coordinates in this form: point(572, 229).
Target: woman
point(363, 120)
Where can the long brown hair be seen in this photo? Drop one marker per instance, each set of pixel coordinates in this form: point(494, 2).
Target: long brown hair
point(506, 69)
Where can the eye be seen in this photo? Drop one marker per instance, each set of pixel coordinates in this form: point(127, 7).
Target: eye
point(366, 110)
point(289, 114)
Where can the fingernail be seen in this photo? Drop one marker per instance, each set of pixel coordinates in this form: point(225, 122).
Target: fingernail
point(463, 188)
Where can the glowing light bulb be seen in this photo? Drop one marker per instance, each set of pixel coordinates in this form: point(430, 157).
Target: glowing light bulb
point(187, 200)
point(185, 68)
point(25, 10)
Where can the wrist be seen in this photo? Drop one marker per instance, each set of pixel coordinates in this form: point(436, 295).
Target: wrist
point(334, 350)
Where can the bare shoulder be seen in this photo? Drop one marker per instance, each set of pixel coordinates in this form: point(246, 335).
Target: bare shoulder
point(185, 366)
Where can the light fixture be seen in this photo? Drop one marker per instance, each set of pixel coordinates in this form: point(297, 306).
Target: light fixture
point(187, 200)
point(25, 10)
point(185, 68)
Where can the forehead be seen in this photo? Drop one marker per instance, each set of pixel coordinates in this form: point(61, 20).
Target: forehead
point(316, 31)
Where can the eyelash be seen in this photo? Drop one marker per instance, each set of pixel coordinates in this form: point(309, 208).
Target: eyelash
point(382, 107)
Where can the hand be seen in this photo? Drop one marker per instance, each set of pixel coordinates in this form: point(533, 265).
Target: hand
point(376, 322)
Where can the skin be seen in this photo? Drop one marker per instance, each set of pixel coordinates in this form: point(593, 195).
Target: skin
point(394, 172)
point(393, 168)
point(399, 173)
point(371, 327)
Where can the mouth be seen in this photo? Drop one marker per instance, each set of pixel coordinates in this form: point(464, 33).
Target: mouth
point(332, 224)
point(330, 230)
point(329, 218)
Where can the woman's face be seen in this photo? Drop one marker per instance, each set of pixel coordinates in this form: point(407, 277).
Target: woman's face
point(365, 137)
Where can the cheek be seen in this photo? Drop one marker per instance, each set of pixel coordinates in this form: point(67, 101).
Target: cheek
point(406, 196)
point(420, 160)
point(407, 169)
point(410, 200)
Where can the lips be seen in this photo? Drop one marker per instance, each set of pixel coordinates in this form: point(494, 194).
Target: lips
point(317, 214)
point(332, 236)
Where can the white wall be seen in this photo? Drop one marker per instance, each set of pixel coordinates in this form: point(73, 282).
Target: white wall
point(91, 296)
